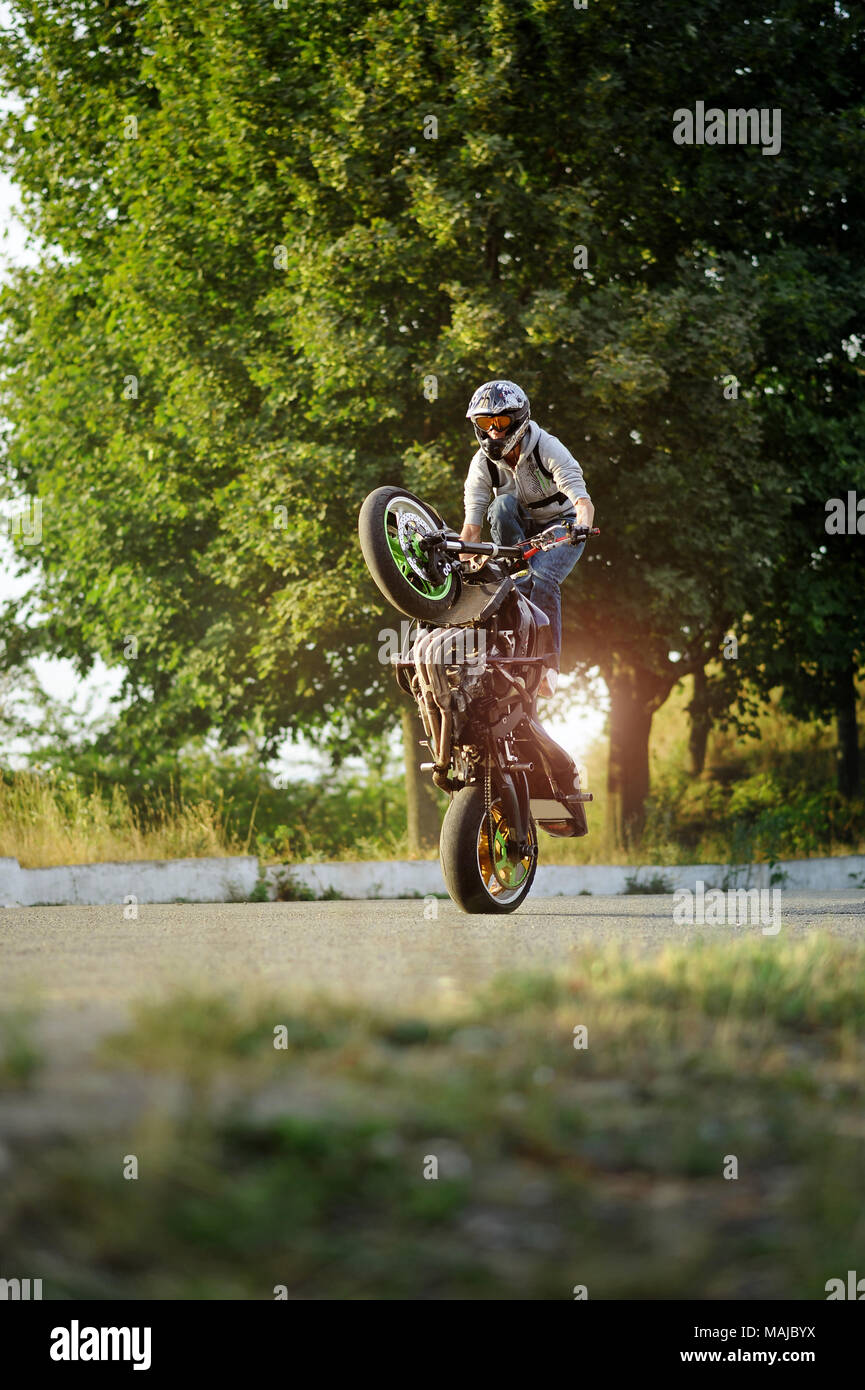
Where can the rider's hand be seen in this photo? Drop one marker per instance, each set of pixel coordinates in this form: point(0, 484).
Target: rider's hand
point(470, 533)
point(585, 511)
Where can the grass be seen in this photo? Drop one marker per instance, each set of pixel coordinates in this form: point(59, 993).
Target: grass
point(290, 889)
point(647, 883)
point(20, 1057)
point(302, 1166)
point(55, 819)
point(761, 799)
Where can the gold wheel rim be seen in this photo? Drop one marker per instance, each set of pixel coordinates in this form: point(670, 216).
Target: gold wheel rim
point(503, 877)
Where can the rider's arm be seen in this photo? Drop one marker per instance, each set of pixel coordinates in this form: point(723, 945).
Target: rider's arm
point(477, 494)
point(569, 478)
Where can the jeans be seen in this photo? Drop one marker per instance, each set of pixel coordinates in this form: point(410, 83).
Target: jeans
point(511, 523)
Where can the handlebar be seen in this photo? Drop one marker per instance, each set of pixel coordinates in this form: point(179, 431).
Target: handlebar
point(545, 540)
point(574, 536)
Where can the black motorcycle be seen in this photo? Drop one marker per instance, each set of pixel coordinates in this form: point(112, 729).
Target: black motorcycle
point(473, 662)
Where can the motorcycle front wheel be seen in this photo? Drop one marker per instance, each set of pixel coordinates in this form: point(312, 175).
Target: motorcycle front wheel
point(482, 871)
point(391, 526)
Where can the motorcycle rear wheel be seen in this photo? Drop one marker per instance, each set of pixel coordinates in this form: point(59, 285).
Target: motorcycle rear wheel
point(480, 877)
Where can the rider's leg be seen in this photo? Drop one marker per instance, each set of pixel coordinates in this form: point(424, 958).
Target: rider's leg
point(508, 525)
point(507, 519)
point(549, 570)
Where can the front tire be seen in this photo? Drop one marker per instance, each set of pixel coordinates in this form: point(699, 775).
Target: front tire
point(390, 524)
point(477, 879)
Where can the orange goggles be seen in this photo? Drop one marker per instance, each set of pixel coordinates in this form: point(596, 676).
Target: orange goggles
point(492, 422)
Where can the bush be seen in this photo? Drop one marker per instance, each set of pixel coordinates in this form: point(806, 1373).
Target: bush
point(754, 796)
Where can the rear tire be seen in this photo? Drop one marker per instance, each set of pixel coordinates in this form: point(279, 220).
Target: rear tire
point(466, 862)
point(394, 563)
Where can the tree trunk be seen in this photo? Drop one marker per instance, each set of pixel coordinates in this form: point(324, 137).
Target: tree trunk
point(848, 735)
point(700, 723)
point(421, 797)
point(635, 694)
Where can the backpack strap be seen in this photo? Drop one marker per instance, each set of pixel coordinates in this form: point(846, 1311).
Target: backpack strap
point(535, 456)
point(545, 501)
point(538, 463)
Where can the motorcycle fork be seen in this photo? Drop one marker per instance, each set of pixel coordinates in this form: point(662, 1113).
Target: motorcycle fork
point(514, 792)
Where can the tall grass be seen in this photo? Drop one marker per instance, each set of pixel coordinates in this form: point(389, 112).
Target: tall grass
point(763, 798)
point(54, 818)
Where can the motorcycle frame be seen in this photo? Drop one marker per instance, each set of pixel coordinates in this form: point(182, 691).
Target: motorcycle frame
point(494, 720)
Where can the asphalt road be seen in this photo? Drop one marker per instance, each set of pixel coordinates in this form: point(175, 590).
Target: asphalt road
point(381, 952)
point(80, 969)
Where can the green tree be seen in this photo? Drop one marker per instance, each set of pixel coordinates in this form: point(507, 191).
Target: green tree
point(797, 219)
point(283, 224)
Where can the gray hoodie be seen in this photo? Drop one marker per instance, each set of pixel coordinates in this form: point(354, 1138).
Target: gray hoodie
point(536, 491)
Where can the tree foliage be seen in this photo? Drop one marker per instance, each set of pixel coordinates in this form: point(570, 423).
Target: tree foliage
point(284, 224)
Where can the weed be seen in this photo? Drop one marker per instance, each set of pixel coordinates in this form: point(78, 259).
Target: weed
point(653, 883)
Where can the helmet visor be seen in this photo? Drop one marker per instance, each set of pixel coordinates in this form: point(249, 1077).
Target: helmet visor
point(493, 422)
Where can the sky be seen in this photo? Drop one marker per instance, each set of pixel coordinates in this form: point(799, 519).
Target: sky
point(574, 729)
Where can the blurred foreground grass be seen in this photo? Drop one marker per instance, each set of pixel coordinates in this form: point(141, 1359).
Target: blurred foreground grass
point(304, 1166)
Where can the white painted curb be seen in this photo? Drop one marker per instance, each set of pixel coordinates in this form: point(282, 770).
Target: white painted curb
point(144, 880)
point(395, 878)
point(234, 879)
point(387, 878)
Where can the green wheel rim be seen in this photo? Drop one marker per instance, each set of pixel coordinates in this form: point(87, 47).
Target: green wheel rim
point(424, 587)
point(507, 872)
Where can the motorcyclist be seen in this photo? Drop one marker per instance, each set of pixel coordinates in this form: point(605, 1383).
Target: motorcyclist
point(534, 482)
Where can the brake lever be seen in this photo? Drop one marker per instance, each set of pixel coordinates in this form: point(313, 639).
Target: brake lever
point(570, 538)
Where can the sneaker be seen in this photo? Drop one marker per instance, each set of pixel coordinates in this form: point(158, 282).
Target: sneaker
point(547, 686)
